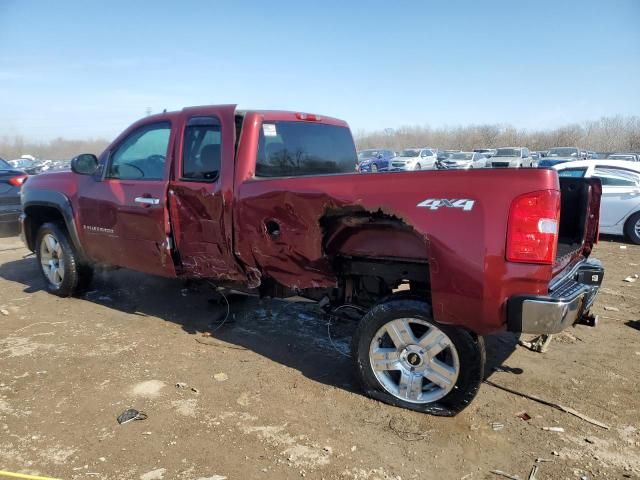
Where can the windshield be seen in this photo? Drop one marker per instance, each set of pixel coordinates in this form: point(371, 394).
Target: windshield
point(563, 152)
point(4, 165)
point(461, 156)
point(622, 157)
point(507, 152)
point(287, 149)
point(367, 154)
point(410, 153)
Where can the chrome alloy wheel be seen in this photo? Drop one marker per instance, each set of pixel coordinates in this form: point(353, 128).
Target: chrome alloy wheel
point(414, 360)
point(51, 259)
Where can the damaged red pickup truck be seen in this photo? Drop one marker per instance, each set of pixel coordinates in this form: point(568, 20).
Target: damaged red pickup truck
point(269, 202)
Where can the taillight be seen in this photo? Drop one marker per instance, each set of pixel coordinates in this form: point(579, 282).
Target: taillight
point(532, 234)
point(18, 180)
point(308, 117)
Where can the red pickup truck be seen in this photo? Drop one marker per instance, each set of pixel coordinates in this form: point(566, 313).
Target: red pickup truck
point(269, 202)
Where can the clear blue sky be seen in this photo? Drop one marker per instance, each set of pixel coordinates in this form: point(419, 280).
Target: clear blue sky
point(82, 68)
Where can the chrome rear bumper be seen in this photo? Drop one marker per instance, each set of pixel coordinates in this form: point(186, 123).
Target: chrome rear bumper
point(568, 301)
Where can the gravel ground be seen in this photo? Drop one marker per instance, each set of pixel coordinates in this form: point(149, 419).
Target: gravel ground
point(270, 396)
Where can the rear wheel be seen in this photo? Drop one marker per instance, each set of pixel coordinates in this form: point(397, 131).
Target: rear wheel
point(632, 228)
point(63, 273)
point(418, 166)
point(404, 358)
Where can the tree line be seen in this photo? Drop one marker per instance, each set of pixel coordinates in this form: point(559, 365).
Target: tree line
point(608, 134)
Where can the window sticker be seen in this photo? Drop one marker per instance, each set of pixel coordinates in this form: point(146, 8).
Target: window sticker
point(269, 130)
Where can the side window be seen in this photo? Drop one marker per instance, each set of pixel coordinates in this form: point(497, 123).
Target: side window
point(287, 149)
point(572, 172)
point(202, 149)
point(142, 155)
point(617, 177)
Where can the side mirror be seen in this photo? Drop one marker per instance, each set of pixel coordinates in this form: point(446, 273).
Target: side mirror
point(84, 164)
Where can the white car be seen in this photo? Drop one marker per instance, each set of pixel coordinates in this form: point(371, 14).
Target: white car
point(465, 160)
point(421, 158)
point(511, 157)
point(620, 203)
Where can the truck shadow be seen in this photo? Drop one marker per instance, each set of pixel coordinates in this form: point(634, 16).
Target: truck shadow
point(297, 335)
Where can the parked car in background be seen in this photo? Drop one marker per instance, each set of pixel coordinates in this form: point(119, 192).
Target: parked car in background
point(420, 158)
point(27, 165)
point(620, 202)
point(11, 180)
point(512, 157)
point(464, 160)
point(629, 157)
point(535, 158)
point(374, 160)
point(559, 155)
point(487, 152)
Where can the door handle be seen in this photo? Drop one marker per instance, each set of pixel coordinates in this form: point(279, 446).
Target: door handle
point(147, 200)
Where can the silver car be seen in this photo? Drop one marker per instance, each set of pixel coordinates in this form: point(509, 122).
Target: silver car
point(512, 157)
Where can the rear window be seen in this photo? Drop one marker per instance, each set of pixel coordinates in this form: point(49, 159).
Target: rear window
point(289, 149)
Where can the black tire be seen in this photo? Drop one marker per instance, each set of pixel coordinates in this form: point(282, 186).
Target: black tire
point(630, 230)
point(77, 275)
point(470, 351)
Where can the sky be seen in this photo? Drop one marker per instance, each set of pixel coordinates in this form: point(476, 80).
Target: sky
point(79, 69)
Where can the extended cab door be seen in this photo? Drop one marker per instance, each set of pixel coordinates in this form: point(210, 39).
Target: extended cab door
point(123, 214)
point(201, 193)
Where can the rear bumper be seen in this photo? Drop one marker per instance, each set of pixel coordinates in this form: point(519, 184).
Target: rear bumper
point(568, 301)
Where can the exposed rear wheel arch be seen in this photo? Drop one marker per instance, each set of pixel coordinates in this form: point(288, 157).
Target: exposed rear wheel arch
point(632, 228)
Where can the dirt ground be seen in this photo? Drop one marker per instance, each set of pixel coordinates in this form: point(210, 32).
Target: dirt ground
point(275, 398)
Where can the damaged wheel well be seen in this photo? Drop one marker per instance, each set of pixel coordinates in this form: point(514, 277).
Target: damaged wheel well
point(374, 254)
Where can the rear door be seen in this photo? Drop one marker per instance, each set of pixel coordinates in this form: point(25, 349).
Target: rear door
point(620, 193)
point(201, 193)
point(124, 215)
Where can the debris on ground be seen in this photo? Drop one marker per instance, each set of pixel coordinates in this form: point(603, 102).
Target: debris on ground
point(4, 311)
point(181, 385)
point(631, 278)
point(532, 474)
point(130, 415)
point(557, 406)
point(553, 429)
point(221, 377)
point(539, 344)
point(623, 247)
point(544, 460)
point(524, 416)
point(611, 309)
point(495, 426)
point(195, 390)
point(505, 474)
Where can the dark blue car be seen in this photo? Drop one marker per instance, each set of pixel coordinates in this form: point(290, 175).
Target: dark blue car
point(374, 160)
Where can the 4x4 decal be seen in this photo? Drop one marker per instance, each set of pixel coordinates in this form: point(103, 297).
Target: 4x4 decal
point(435, 203)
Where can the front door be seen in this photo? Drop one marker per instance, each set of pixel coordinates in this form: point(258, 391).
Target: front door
point(124, 215)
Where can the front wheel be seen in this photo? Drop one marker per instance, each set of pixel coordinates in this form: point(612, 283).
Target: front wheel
point(404, 358)
point(374, 168)
point(63, 273)
point(632, 228)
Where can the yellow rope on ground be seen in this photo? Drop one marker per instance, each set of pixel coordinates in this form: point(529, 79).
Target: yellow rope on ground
point(24, 476)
